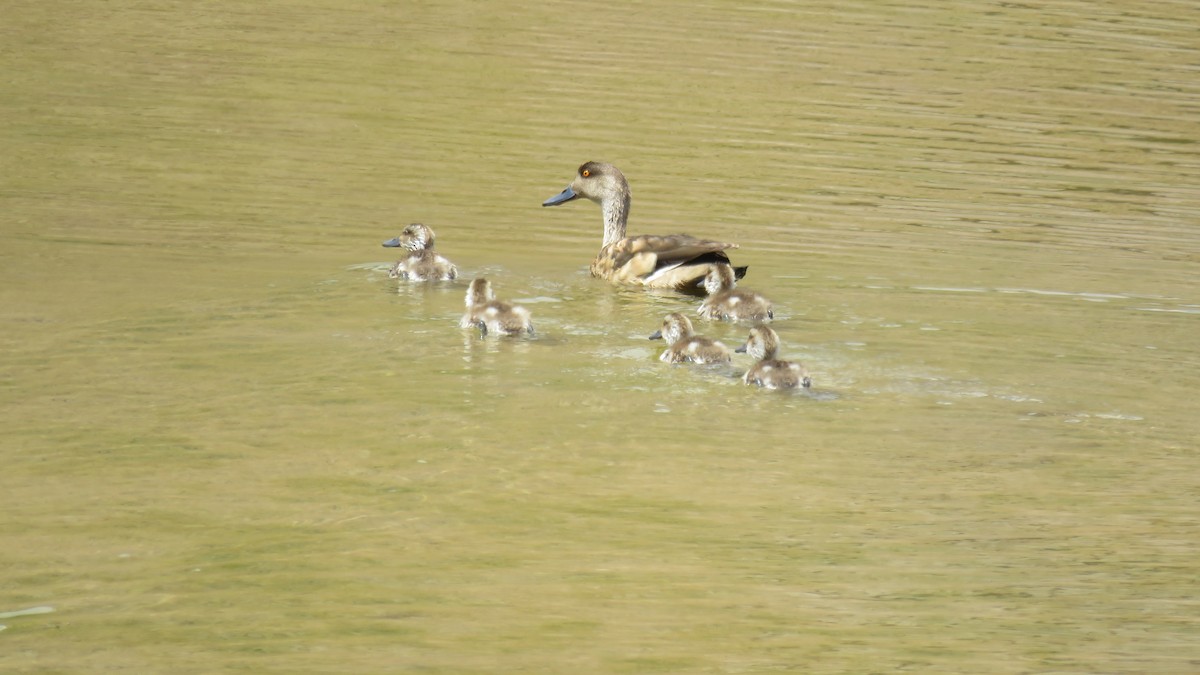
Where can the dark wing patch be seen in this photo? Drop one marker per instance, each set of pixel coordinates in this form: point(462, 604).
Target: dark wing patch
point(672, 249)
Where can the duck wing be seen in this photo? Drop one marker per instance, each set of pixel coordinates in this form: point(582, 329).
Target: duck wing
point(669, 249)
point(667, 261)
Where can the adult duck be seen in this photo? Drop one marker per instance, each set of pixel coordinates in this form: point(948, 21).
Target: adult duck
point(769, 372)
point(676, 261)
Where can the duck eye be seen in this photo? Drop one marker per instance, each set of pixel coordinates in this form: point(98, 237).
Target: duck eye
point(585, 173)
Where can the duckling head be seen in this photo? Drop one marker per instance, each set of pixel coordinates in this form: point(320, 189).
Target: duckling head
point(479, 292)
point(675, 327)
point(762, 344)
point(719, 278)
point(415, 237)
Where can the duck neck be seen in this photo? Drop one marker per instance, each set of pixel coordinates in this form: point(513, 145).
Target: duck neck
point(768, 352)
point(616, 213)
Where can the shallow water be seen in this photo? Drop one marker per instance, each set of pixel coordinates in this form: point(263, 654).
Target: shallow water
point(232, 443)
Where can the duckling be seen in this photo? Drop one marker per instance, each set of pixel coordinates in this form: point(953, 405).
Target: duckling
point(685, 346)
point(769, 372)
point(422, 263)
point(491, 315)
point(725, 303)
point(676, 261)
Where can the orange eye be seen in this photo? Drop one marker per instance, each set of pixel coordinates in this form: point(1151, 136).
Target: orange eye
point(585, 173)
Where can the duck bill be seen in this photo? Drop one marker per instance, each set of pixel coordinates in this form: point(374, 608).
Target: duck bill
point(740, 350)
point(657, 335)
point(394, 242)
point(561, 198)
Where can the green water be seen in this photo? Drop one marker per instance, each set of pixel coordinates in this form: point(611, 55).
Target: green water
point(231, 443)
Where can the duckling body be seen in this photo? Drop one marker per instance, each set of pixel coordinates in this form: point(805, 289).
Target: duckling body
point(676, 261)
point(770, 372)
point(726, 303)
point(422, 263)
point(685, 346)
point(490, 315)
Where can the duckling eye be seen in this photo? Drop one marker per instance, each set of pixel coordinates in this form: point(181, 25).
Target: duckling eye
point(585, 173)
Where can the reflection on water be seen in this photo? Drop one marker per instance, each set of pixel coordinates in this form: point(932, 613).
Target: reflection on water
point(226, 428)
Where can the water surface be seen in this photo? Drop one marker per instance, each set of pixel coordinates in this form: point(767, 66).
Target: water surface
point(232, 443)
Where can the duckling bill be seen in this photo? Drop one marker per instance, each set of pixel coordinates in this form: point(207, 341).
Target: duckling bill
point(676, 261)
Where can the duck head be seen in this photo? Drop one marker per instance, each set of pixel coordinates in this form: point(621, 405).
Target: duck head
point(719, 278)
point(415, 237)
point(479, 292)
point(762, 343)
point(604, 184)
point(675, 327)
point(598, 181)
